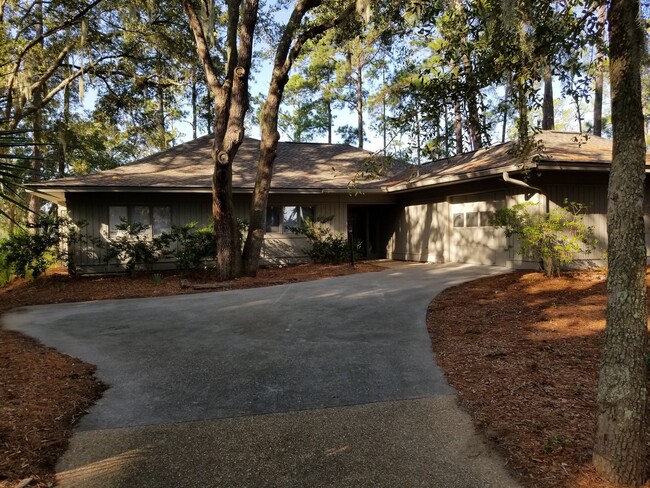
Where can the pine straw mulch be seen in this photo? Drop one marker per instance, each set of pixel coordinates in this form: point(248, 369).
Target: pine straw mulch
point(43, 393)
point(57, 287)
point(523, 352)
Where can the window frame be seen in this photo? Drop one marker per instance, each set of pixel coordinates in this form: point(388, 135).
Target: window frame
point(281, 212)
point(130, 214)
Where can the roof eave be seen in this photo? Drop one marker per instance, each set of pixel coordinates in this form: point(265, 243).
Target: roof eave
point(452, 179)
point(51, 191)
point(601, 166)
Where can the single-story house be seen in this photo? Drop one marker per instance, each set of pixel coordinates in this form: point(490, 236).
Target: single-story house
point(437, 212)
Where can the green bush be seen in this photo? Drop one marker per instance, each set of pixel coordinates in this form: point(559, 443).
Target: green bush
point(134, 248)
point(326, 246)
point(194, 246)
point(552, 238)
point(53, 239)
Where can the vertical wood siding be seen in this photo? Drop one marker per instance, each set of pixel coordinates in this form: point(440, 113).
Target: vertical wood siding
point(197, 207)
point(421, 233)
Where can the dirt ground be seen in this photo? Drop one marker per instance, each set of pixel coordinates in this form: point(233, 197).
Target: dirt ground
point(43, 393)
point(523, 352)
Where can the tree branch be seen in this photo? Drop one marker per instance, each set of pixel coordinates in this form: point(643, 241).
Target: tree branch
point(45, 35)
point(50, 71)
point(21, 114)
point(202, 47)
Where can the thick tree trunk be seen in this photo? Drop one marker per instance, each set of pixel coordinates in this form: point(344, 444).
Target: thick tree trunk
point(598, 89)
point(548, 111)
point(619, 449)
point(285, 55)
point(223, 211)
point(230, 106)
point(268, 148)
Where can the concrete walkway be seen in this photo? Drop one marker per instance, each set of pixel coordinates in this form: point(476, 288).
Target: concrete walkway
point(319, 384)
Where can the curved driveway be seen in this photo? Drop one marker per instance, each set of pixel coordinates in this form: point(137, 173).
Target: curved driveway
point(341, 367)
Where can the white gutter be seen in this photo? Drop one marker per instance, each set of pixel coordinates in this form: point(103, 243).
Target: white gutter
point(507, 179)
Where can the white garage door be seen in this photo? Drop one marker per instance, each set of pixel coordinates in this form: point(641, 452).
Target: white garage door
point(474, 239)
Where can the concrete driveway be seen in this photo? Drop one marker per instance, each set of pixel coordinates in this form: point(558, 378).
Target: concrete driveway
point(324, 383)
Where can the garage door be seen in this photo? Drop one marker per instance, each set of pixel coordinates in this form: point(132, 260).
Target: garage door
point(474, 239)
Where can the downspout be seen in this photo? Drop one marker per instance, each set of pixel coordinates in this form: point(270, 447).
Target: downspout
point(507, 179)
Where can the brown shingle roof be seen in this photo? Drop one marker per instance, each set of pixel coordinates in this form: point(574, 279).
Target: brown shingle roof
point(556, 148)
point(189, 165)
point(331, 167)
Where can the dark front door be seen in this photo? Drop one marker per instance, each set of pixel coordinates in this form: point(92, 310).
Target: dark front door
point(370, 224)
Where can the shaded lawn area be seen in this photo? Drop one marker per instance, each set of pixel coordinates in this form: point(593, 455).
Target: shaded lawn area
point(523, 352)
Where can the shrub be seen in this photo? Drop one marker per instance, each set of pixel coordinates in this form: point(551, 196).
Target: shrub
point(134, 248)
point(194, 245)
point(326, 246)
point(53, 239)
point(552, 238)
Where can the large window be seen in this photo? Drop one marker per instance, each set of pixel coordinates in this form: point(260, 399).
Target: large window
point(157, 218)
point(281, 219)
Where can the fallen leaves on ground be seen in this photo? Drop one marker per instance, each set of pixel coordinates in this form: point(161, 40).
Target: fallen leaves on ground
point(523, 352)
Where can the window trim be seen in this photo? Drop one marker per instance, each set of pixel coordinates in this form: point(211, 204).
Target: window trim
point(282, 227)
point(130, 211)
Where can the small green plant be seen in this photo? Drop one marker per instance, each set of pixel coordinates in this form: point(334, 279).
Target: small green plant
point(52, 239)
point(157, 279)
point(194, 246)
point(552, 238)
point(326, 246)
point(133, 247)
point(554, 443)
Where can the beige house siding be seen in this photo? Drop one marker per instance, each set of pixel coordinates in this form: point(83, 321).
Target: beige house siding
point(425, 231)
point(421, 233)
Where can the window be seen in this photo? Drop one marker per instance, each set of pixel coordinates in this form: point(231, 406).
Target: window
point(281, 219)
point(487, 219)
point(162, 220)
point(471, 219)
point(157, 218)
point(459, 220)
point(115, 217)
